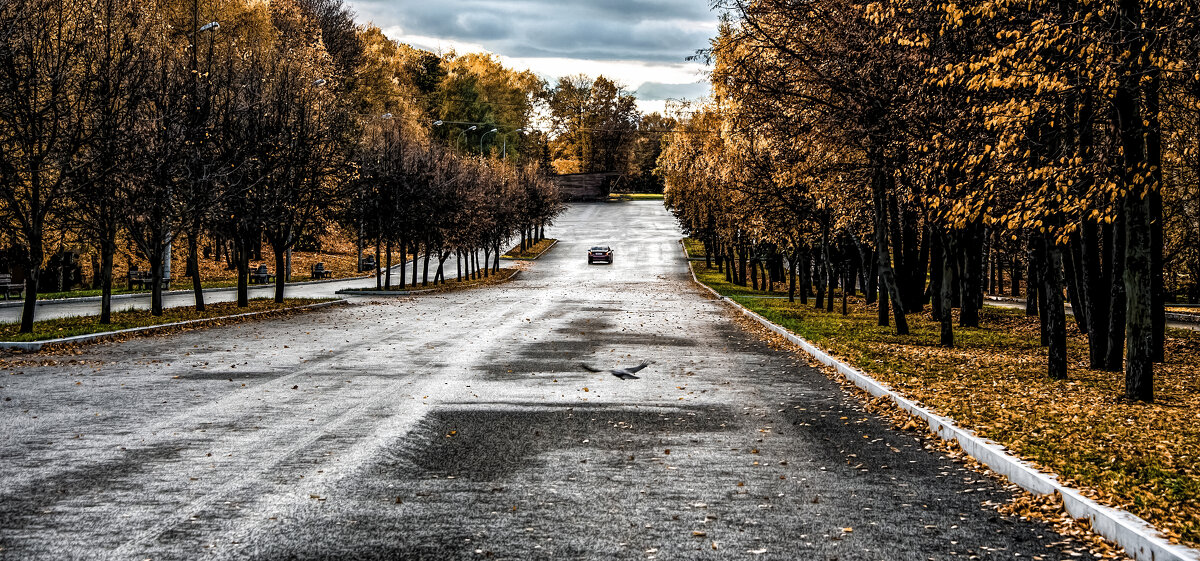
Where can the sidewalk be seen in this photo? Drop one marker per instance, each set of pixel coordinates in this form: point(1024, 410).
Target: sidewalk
point(1174, 319)
point(90, 305)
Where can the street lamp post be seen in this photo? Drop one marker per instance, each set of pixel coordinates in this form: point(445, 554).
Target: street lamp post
point(462, 136)
point(483, 137)
point(210, 27)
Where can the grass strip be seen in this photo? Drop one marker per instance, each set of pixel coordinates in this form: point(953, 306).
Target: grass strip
point(129, 319)
point(503, 275)
point(694, 248)
point(635, 197)
point(533, 252)
point(1144, 458)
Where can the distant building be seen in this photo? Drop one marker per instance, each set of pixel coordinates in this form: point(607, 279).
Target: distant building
point(586, 186)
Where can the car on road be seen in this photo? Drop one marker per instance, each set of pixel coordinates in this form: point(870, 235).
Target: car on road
point(600, 253)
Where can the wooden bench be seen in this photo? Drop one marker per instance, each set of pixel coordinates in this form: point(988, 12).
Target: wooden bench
point(320, 272)
point(144, 280)
point(261, 275)
point(368, 264)
point(10, 288)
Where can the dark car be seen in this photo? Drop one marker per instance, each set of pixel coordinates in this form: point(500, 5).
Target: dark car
point(600, 253)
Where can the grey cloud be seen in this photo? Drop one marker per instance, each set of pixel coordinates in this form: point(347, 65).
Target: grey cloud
point(659, 90)
point(642, 30)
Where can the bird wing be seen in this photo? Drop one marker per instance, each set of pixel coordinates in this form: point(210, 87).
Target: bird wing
point(636, 368)
point(589, 368)
point(624, 375)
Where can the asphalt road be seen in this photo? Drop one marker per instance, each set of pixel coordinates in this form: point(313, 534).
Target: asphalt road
point(460, 426)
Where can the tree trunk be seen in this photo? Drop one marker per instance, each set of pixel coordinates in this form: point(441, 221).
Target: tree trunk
point(1031, 277)
point(1040, 260)
point(826, 266)
point(403, 256)
point(945, 286)
point(193, 269)
point(387, 266)
point(887, 277)
point(1114, 359)
point(1139, 328)
point(108, 250)
point(1095, 291)
point(819, 273)
point(938, 276)
point(280, 264)
point(425, 269)
point(1055, 314)
point(805, 275)
point(1076, 285)
point(999, 259)
point(919, 269)
point(792, 275)
point(243, 270)
point(897, 240)
point(743, 260)
point(156, 277)
point(1153, 139)
point(969, 268)
point(441, 267)
point(846, 280)
point(754, 274)
point(1015, 267)
point(871, 272)
point(416, 248)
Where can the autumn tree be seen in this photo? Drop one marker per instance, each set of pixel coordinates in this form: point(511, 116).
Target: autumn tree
point(44, 100)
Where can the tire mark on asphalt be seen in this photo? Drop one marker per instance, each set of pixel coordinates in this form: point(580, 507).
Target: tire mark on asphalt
point(393, 426)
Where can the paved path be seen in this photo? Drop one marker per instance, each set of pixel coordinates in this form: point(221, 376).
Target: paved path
point(1017, 305)
point(50, 309)
point(460, 426)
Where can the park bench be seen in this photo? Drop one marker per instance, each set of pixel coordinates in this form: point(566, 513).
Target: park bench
point(11, 288)
point(320, 272)
point(261, 275)
point(143, 280)
point(367, 264)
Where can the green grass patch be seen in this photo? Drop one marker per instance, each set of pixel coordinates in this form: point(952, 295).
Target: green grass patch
point(117, 289)
point(451, 284)
point(128, 319)
point(613, 197)
point(1141, 457)
point(533, 252)
point(694, 247)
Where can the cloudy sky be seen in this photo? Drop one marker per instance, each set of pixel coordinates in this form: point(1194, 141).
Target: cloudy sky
point(640, 43)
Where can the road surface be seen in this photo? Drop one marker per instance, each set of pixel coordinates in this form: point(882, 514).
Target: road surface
point(461, 426)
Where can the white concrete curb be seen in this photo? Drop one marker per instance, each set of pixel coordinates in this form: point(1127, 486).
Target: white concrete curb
point(1140, 540)
point(34, 346)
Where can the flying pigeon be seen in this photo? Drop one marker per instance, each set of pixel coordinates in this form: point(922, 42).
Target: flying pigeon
point(622, 373)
